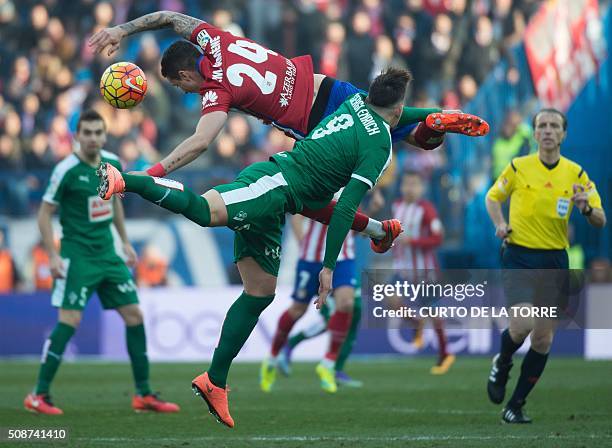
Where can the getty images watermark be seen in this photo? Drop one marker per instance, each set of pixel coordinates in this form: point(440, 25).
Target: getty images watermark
point(474, 298)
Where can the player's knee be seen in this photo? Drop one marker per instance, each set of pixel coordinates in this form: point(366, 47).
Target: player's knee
point(297, 310)
point(345, 298)
point(131, 314)
point(541, 341)
point(520, 328)
point(70, 317)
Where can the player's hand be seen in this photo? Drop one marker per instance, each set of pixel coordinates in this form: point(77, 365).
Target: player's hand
point(503, 230)
point(108, 37)
point(325, 284)
point(56, 266)
point(130, 253)
point(580, 197)
point(138, 173)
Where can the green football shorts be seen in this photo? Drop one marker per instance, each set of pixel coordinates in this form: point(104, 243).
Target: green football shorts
point(108, 276)
point(257, 202)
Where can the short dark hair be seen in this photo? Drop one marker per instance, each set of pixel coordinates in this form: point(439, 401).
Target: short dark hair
point(550, 110)
point(181, 55)
point(89, 115)
point(389, 87)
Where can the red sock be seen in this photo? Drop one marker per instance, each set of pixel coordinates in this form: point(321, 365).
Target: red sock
point(439, 329)
point(338, 326)
point(323, 215)
point(428, 138)
point(285, 324)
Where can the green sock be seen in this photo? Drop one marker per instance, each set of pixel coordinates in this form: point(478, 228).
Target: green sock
point(137, 349)
point(170, 195)
point(294, 340)
point(239, 322)
point(52, 355)
point(412, 115)
point(349, 342)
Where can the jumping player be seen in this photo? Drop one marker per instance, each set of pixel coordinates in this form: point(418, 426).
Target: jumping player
point(88, 263)
point(349, 149)
point(236, 72)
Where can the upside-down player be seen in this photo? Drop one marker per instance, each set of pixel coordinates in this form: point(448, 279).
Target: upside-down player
point(349, 149)
point(236, 72)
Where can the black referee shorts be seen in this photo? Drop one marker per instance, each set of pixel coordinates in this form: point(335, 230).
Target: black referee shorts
point(536, 276)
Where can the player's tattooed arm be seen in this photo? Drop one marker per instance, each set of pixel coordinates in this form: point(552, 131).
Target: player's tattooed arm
point(181, 23)
point(110, 38)
point(190, 149)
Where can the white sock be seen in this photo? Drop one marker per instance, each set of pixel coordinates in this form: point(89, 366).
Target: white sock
point(328, 363)
point(374, 229)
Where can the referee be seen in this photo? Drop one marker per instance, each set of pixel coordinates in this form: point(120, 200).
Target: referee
point(543, 188)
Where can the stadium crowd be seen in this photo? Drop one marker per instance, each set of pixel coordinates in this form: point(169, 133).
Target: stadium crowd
point(48, 74)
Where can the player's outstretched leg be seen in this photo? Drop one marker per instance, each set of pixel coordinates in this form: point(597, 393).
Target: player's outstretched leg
point(458, 123)
point(392, 229)
point(382, 233)
point(39, 401)
point(166, 193)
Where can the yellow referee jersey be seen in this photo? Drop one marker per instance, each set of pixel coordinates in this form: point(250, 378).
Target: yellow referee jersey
point(540, 200)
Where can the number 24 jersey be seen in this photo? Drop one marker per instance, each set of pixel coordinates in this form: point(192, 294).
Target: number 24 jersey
point(241, 74)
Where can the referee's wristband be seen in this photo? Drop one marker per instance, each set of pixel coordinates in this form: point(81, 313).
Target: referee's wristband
point(588, 211)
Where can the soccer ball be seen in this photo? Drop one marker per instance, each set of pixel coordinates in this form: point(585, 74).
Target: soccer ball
point(123, 85)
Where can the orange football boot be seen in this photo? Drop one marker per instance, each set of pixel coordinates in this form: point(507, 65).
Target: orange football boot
point(144, 403)
point(41, 404)
point(458, 123)
point(111, 181)
point(215, 397)
point(392, 228)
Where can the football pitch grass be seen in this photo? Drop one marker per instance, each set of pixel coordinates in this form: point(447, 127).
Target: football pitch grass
point(401, 404)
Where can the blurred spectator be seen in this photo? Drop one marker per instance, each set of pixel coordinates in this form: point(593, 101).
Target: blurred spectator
point(405, 35)
point(222, 18)
point(359, 50)
point(374, 10)
point(384, 57)
point(38, 155)
point(152, 268)
point(9, 276)
point(515, 140)
point(467, 88)
point(333, 60)
point(480, 53)
point(434, 53)
point(41, 272)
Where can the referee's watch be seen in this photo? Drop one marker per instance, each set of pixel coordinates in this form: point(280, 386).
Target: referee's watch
point(588, 210)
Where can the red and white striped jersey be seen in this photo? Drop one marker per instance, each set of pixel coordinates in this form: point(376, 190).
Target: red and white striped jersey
point(415, 248)
point(312, 247)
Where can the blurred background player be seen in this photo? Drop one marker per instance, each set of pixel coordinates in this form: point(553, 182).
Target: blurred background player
point(311, 238)
point(542, 188)
point(87, 263)
point(414, 256)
